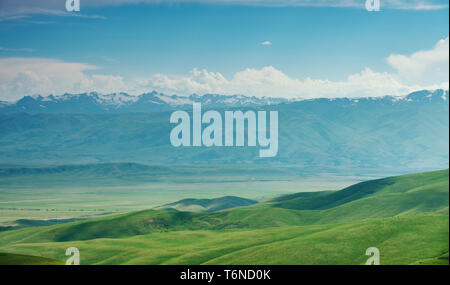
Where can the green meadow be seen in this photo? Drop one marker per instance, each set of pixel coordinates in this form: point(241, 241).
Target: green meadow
point(92, 190)
point(405, 217)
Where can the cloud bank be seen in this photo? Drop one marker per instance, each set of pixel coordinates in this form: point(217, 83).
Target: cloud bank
point(424, 67)
point(427, 69)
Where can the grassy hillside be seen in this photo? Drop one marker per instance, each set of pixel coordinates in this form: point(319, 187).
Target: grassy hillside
point(402, 195)
point(401, 240)
point(405, 216)
point(426, 183)
point(91, 190)
point(20, 259)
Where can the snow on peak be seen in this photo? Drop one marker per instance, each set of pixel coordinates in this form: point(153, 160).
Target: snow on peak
point(174, 100)
point(117, 99)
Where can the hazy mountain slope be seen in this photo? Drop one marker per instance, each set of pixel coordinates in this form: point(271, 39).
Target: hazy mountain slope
point(126, 174)
point(338, 136)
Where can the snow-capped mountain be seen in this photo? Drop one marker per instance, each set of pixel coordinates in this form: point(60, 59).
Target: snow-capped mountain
point(345, 135)
point(94, 102)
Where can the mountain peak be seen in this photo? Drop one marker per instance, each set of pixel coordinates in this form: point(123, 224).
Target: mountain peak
point(95, 102)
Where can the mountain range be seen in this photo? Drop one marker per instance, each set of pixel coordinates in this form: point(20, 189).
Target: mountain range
point(94, 103)
point(345, 135)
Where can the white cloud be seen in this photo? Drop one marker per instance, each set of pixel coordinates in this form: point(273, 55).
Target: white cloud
point(18, 10)
point(14, 8)
point(426, 69)
point(417, 5)
point(266, 43)
point(271, 82)
point(423, 67)
point(28, 76)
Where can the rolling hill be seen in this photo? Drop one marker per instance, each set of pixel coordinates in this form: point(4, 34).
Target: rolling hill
point(420, 187)
point(401, 240)
point(405, 216)
point(14, 259)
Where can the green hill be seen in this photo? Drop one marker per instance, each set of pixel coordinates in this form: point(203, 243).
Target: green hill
point(406, 216)
point(401, 240)
point(19, 259)
point(424, 193)
point(435, 182)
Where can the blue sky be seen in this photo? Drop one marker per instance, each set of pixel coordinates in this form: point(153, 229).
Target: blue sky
point(188, 47)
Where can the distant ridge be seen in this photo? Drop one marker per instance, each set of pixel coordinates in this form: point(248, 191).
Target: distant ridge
point(94, 102)
point(352, 136)
point(208, 205)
